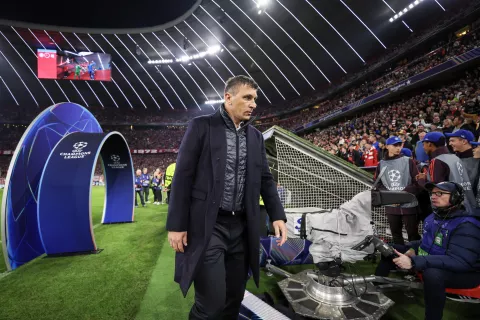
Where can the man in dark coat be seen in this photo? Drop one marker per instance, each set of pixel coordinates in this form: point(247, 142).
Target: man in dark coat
point(214, 215)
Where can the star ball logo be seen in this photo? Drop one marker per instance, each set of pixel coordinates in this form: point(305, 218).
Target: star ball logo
point(47, 55)
point(79, 146)
point(115, 158)
point(77, 152)
point(116, 162)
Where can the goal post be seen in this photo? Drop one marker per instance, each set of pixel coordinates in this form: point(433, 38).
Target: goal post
point(310, 177)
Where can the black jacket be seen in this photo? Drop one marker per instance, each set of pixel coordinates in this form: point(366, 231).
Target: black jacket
point(235, 170)
point(197, 190)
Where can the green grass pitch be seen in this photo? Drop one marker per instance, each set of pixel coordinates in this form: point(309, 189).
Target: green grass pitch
point(132, 278)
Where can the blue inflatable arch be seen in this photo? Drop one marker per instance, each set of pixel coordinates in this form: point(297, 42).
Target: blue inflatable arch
point(64, 197)
point(19, 228)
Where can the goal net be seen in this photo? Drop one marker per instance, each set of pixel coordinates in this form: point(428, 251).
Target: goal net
point(310, 177)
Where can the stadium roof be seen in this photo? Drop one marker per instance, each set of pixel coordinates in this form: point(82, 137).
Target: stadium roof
point(290, 47)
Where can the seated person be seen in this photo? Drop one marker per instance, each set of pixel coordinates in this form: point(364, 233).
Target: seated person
point(448, 255)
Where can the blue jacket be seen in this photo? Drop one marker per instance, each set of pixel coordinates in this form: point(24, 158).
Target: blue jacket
point(451, 243)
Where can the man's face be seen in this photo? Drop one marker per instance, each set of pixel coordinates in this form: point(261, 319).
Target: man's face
point(241, 103)
point(440, 198)
point(428, 147)
point(394, 149)
point(458, 144)
point(139, 172)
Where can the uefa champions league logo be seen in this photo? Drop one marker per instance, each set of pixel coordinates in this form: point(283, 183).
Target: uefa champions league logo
point(79, 146)
point(394, 175)
point(77, 152)
point(115, 158)
point(116, 162)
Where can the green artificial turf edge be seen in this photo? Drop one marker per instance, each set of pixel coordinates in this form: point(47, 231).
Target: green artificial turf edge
point(133, 279)
point(108, 285)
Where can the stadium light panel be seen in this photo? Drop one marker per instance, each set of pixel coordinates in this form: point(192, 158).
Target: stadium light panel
point(219, 59)
point(212, 50)
point(273, 42)
point(229, 52)
point(206, 78)
point(158, 70)
point(410, 7)
point(259, 48)
point(214, 101)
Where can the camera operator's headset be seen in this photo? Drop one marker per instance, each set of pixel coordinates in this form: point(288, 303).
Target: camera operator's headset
point(457, 198)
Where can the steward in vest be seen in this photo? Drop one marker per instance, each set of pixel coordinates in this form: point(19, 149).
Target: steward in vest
point(168, 178)
point(448, 256)
point(146, 184)
point(139, 188)
point(460, 142)
point(445, 167)
point(400, 176)
point(157, 188)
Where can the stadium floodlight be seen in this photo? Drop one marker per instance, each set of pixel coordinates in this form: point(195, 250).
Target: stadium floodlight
point(262, 3)
point(214, 101)
point(212, 50)
point(409, 8)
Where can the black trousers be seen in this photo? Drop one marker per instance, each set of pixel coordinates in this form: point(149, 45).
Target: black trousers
point(222, 277)
point(435, 282)
point(157, 195)
point(146, 191)
point(140, 194)
point(396, 223)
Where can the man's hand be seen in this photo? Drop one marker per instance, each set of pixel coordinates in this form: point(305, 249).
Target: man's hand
point(280, 229)
point(421, 176)
point(403, 261)
point(410, 253)
point(177, 240)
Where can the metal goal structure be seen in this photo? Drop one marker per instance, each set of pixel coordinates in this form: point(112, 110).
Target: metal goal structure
point(310, 177)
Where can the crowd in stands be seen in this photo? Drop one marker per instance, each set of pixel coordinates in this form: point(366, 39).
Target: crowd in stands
point(406, 69)
point(445, 109)
point(153, 162)
point(434, 109)
point(149, 138)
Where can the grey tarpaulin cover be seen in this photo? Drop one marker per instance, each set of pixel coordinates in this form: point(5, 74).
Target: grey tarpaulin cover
point(337, 230)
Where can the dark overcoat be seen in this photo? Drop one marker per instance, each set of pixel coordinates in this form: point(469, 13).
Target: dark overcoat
point(197, 188)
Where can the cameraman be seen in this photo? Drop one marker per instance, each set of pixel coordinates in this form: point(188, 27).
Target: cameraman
point(448, 254)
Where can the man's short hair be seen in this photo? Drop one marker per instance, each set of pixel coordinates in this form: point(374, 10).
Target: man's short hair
point(232, 84)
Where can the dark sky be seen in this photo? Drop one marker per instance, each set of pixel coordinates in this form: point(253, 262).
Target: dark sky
point(103, 14)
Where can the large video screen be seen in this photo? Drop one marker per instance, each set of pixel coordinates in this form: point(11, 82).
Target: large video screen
point(66, 65)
